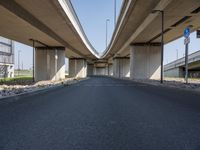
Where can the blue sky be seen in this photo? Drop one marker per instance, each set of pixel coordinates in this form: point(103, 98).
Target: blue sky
point(92, 15)
point(171, 49)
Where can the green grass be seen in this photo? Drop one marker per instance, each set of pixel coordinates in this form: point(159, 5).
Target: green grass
point(21, 80)
point(23, 73)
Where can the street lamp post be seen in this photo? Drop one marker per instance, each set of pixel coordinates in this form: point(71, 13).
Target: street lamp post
point(33, 61)
point(115, 12)
point(162, 42)
point(107, 20)
point(177, 54)
point(19, 51)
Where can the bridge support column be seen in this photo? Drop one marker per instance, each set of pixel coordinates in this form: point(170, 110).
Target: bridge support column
point(145, 62)
point(77, 67)
point(110, 69)
point(90, 69)
point(101, 71)
point(121, 67)
point(49, 64)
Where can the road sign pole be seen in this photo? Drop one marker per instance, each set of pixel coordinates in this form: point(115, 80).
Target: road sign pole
point(198, 33)
point(186, 62)
point(162, 48)
point(187, 41)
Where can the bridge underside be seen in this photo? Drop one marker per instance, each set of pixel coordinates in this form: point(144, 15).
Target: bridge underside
point(131, 54)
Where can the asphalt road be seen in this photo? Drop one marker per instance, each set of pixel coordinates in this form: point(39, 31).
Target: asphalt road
point(103, 114)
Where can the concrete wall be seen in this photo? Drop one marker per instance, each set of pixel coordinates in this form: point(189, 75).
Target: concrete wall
point(145, 62)
point(121, 67)
point(175, 72)
point(77, 67)
point(49, 64)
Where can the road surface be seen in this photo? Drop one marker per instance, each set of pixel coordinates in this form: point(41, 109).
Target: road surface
point(103, 114)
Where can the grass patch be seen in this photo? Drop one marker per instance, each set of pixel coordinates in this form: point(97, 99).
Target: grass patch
point(21, 80)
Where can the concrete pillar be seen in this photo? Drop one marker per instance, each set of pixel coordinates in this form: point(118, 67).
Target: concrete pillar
point(95, 70)
point(77, 67)
point(145, 62)
point(121, 67)
point(101, 71)
point(49, 64)
point(110, 69)
point(107, 70)
point(90, 69)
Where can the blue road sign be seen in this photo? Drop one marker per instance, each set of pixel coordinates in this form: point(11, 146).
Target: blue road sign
point(187, 32)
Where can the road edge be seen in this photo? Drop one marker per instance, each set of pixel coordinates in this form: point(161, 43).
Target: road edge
point(160, 85)
point(16, 97)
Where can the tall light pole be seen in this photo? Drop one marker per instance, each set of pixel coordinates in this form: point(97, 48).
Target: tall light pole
point(19, 51)
point(115, 12)
point(162, 42)
point(22, 66)
point(107, 20)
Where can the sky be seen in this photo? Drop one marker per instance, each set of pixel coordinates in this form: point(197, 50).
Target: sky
point(177, 48)
point(92, 15)
point(25, 54)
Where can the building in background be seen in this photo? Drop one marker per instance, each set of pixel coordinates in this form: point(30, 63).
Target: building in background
point(6, 58)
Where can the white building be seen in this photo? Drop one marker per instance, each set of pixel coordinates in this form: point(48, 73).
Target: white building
point(6, 58)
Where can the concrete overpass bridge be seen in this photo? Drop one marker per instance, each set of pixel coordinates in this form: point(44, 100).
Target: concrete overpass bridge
point(177, 67)
point(134, 50)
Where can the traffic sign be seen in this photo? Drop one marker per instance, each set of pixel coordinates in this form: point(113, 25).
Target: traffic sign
point(187, 40)
point(187, 32)
point(198, 33)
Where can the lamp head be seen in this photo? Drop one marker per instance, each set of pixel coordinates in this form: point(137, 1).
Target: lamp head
point(155, 11)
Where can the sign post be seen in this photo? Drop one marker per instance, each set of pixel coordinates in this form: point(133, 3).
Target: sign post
point(198, 33)
point(186, 42)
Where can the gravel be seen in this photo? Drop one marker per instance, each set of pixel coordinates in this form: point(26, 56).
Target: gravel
point(11, 90)
point(194, 84)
